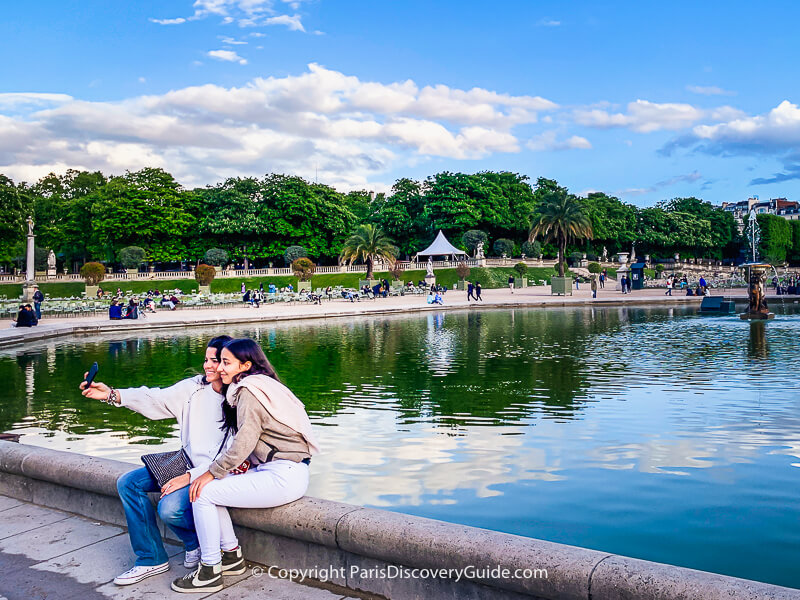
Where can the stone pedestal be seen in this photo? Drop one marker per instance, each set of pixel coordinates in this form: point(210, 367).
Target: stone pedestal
point(27, 292)
point(51, 273)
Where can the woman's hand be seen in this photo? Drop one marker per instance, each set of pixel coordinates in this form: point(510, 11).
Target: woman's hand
point(96, 391)
point(176, 483)
point(198, 485)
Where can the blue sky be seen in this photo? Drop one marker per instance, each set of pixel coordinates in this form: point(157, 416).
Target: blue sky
point(641, 101)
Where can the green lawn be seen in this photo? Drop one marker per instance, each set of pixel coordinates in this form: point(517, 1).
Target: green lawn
point(495, 277)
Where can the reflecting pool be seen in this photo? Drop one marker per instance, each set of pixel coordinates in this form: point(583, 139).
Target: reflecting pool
point(654, 433)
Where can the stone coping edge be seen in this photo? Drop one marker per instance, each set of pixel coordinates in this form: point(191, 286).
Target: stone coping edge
point(35, 334)
point(573, 573)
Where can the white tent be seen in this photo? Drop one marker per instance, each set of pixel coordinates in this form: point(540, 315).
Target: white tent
point(441, 247)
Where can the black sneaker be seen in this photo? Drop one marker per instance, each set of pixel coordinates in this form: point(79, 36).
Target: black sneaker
point(233, 562)
point(206, 578)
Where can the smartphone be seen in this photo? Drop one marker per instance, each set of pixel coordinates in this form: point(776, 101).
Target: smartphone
point(91, 375)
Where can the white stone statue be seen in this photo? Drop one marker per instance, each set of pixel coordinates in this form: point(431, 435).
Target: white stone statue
point(479, 251)
point(429, 267)
point(29, 221)
point(605, 254)
point(633, 252)
point(51, 260)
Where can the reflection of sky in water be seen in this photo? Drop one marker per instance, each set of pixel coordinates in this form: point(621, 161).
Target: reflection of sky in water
point(653, 433)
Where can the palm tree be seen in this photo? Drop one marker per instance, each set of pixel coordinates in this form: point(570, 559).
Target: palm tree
point(367, 243)
point(560, 217)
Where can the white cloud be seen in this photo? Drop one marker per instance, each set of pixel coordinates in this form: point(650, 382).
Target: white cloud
point(232, 42)
point(548, 23)
point(293, 22)
point(643, 116)
point(227, 56)
point(779, 129)
point(177, 21)
point(688, 178)
point(142, 80)
point(710, 90)
point(351, 131)
point(13, 99)
point(548, 141)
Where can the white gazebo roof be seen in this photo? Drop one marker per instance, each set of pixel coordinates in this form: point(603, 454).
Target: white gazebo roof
point(441, 247)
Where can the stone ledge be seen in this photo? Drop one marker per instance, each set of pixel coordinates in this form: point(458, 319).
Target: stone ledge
point(315, 532)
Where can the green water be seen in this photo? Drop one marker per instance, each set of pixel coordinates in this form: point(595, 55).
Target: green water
point(653, 433)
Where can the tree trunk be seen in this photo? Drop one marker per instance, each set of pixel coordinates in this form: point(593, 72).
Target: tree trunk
point(369, 267)
point(562, 250)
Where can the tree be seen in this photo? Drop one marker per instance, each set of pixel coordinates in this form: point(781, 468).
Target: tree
point(559, 217)
point(401, 216)
point(292, 253)
point(216, 257)
point(463, 270)
point(303, 268)
point(12, 220)
point(204, 274)
point(368, 243)
point(131, 257)
point(471, 238)
point(596, 268)
point(503, 246)
point(776, 238)
point(521, 268)
point(724, 235)
point(93, 273)
point(613, 222)
point(532, 248)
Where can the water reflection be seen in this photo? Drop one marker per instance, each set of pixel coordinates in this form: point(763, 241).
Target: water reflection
point(591, 426)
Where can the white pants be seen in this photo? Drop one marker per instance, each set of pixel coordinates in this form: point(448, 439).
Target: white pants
point(271, 484)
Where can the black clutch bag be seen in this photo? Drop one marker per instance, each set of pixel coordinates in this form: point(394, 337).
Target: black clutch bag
point(164, 466)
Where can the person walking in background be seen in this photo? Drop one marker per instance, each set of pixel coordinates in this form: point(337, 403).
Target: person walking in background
point(669, 287)
point(623, 284)
point(244, 288)
point(602, 280)
point(703, 285)
point(478, 291)
point(628, 282)
point(38, 298)
point(511, 283)
point(470, 291)
point(593, 285)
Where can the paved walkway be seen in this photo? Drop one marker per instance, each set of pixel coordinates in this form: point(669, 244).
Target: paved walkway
point(49, 554)
point(196, 317)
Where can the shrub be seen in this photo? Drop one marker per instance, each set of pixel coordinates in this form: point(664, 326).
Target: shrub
point(595, 267)
point(463, 270)
point(204, 274)
point(503, 246)
point(216, 257)
point(93, 273)
point(521, 268)
point(303, 268)
point(532, 248)
point(397, 271)
point(131, 257)
point(292, 253)
point(471, 238)
point(660, 268)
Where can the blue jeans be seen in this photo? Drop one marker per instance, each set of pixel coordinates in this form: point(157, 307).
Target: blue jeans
point(174, 509)
point(37, 307)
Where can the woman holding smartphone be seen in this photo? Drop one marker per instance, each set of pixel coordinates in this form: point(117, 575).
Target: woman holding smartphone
point(206, 423)
point(271, 452)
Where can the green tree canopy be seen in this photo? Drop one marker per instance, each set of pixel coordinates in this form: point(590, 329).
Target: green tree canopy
point(559, 217)
point(367, 243)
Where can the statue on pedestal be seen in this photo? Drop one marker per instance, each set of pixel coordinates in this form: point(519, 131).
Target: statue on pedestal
point(51, 261)
point(29, 221)
point(605, 254)
point(479, 251)
point(429, 267)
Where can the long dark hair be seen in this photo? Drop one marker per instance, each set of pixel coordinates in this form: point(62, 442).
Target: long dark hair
point(245, 350)
point(229, 422)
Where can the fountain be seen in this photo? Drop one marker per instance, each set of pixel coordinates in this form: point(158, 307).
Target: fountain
point(756, 275)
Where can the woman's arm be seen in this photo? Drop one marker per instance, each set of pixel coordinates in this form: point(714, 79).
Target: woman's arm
point(153, 403)
point(249, 415)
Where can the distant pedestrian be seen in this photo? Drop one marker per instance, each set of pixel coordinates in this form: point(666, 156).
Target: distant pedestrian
point(669, 287)
point(244, 288)
point(628, 283)
point(38, 298)
point(511, 283)
point(602, 280)
point(623, 283)
point(478, 291)
point(470, 291)
point(593, 285)
point(577, 287)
